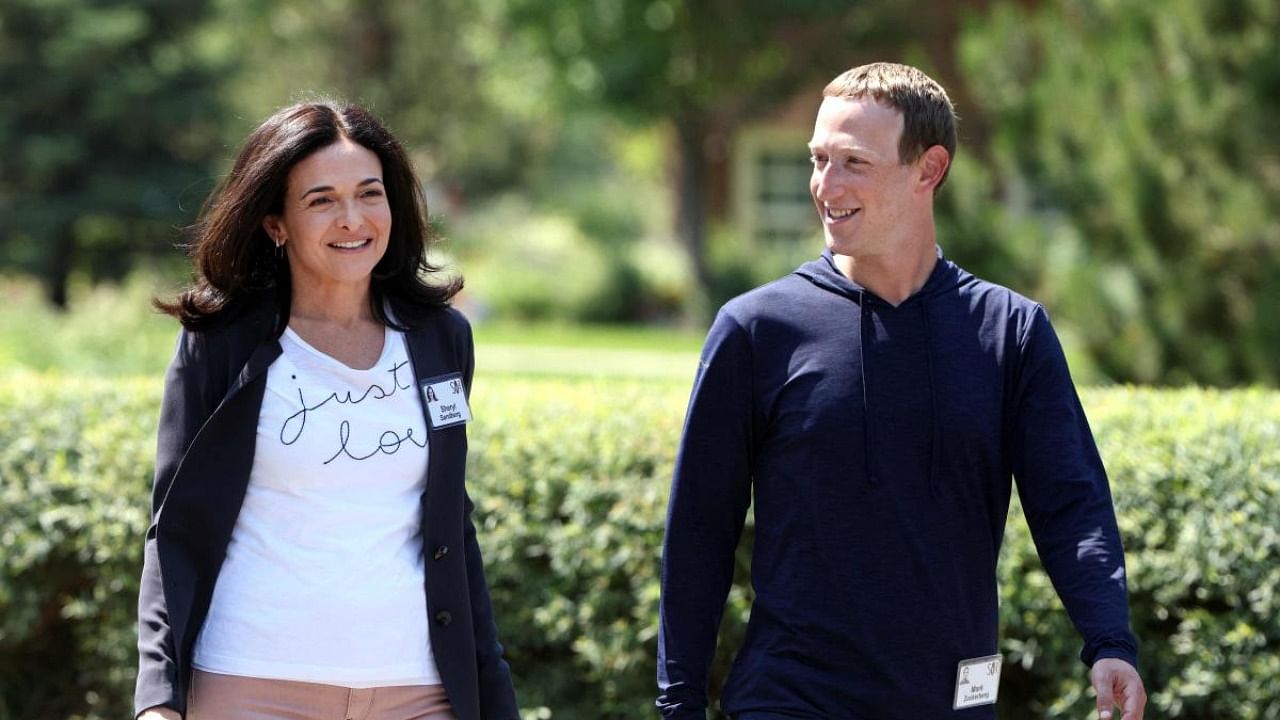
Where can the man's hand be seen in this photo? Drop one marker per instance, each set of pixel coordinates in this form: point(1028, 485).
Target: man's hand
point(160, 712)
point(1118, 685)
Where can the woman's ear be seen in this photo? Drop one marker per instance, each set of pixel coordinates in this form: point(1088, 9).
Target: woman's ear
point(275, 229)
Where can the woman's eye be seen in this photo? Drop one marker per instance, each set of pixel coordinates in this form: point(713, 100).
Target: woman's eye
point(371, 193)
point(316, 202)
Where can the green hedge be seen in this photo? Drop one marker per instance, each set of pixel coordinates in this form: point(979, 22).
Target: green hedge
point(570, 479)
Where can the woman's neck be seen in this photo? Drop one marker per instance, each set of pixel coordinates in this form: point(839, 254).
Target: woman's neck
point(342, 308)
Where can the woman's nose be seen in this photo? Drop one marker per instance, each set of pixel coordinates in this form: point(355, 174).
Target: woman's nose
point(350, 218)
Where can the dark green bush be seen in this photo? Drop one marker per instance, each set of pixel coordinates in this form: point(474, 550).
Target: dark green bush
point(570, 480)
point(1196, 481)
point(75, 457)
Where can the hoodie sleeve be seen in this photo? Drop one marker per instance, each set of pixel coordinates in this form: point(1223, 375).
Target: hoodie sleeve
point(1066, 498)
point(710, 493)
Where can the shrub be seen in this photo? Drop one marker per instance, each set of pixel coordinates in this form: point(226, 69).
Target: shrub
point(570, 480)
point(74, 460)
point(1196, 481)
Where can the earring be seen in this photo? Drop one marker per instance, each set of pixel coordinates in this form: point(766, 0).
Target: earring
point(279, 249)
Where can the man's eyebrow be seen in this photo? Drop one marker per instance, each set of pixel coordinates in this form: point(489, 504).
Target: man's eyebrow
point(847, 148)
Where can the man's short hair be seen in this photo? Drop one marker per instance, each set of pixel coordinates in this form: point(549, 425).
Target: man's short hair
point(928, 118)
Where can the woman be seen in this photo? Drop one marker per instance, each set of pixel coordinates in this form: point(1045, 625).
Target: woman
point(311, 552)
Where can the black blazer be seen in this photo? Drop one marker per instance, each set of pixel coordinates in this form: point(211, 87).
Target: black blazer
point(208, 426)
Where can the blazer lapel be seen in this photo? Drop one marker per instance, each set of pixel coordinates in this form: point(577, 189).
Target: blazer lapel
point(434, 356)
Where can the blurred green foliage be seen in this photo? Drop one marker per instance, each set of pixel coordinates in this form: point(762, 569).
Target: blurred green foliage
point(108, 115)
point(107, 329)
point(438, 74)
point(524, 262)
point(110, 330)
point(1134, 152)
point(570, 480)
point(1118, 160)
point(701, 68)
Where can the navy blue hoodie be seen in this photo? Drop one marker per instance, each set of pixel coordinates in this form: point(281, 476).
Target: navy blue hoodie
point(880, 443)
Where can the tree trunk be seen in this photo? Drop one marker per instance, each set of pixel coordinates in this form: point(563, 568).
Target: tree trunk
point(58, 266)
point(691, 217)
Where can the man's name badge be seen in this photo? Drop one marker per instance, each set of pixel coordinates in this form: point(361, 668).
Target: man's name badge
point(446, 401)
point(977, 681)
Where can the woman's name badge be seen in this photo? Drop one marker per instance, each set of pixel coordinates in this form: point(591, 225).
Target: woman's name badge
point(446, 401)
point(977, 681)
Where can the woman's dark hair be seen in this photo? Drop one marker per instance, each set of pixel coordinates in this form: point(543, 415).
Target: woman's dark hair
point(235, 260)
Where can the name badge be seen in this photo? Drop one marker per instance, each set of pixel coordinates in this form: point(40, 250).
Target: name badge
point(446, 401)
point(977, 682)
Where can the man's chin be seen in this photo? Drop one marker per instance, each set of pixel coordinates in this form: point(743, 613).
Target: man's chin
point(842, 246)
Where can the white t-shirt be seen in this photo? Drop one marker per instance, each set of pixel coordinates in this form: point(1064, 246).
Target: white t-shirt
point(323, 579)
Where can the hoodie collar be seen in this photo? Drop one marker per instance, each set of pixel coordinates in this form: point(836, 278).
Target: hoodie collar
point(824, 273)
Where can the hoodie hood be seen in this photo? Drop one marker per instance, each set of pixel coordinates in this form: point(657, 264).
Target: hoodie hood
point(944, 277)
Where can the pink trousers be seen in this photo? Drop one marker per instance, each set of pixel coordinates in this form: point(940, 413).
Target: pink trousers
point(232, 697)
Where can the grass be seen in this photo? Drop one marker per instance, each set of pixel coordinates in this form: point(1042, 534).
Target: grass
point(571, 361)
point(108, 331)
point(111, 331)
point(586, 350)
point(610, 337)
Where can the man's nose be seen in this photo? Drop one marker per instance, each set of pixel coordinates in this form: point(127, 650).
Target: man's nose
point(827, 183)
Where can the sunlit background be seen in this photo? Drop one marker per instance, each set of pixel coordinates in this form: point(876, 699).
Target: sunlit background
point(605, 174)
point(636, 163)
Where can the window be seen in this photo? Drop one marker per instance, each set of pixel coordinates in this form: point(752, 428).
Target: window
point(772, 206)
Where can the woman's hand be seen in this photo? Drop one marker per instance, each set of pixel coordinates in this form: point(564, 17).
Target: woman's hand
point(160, 713)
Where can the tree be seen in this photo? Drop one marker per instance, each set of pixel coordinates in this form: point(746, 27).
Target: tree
point(1139, 140)
point(108, 114)
point(702, 66)
point(436, 73)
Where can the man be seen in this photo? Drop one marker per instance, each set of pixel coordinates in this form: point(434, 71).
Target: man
point(877, 402)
